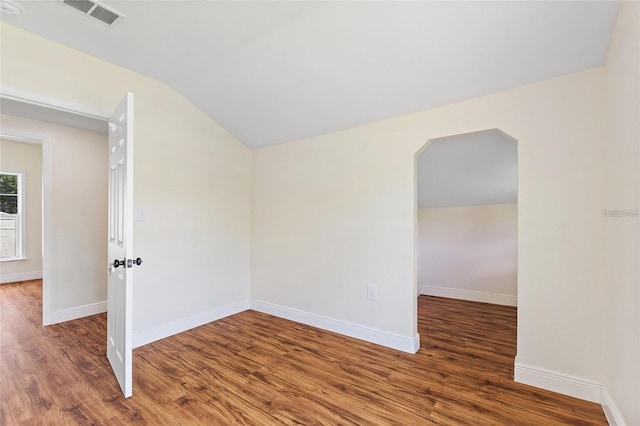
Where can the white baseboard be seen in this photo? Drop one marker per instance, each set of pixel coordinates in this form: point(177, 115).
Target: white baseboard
point(473, 296)
point(558, 382)
point(614, 417)
point(75, 313)
point(24, 276)
point(379, 337)
point(178, 326)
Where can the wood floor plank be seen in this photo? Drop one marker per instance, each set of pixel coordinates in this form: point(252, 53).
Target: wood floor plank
point(256, 369)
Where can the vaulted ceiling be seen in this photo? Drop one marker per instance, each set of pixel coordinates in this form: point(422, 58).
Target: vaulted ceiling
point(272, 72)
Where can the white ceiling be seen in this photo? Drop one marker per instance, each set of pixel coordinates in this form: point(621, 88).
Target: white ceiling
point(272, 72)
point(469, 170)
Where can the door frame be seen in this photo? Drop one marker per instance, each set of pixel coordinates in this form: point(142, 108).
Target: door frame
point(82, 113)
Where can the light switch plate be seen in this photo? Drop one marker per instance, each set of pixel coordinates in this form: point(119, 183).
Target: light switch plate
point(141, 214)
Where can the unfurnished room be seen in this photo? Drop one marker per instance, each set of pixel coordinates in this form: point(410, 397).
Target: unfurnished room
point(319, 212)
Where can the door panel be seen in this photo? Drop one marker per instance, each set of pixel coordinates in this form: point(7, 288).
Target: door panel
point(120, 243)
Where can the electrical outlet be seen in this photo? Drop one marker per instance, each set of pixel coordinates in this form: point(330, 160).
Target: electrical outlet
point(372, 292)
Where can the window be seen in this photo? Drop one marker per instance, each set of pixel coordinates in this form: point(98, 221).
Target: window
point(11, 214)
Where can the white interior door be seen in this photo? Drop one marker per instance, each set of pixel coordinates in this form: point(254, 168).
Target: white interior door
point(120, 280)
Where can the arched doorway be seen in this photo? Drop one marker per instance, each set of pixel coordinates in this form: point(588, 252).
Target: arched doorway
point(466, 217)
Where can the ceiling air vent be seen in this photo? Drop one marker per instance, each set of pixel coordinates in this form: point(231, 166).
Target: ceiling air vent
point(96, 10)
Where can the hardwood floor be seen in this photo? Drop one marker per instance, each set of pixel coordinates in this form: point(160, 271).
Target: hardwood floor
point(256, 369)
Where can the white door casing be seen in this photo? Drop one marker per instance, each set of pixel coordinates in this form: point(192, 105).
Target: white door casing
point(120, 242)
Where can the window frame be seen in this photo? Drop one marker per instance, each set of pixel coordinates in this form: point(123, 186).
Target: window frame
point(21, 221)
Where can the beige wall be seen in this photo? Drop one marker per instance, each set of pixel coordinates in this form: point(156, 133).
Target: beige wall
point(25, 158)
point(191, 176)
point(622, 289)
point(334, 213)
point(469, 252)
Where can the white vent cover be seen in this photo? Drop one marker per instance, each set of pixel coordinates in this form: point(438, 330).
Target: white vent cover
point(96, 10)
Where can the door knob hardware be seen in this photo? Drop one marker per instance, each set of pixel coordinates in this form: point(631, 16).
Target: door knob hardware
point(132, 262)
point(127, 263)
